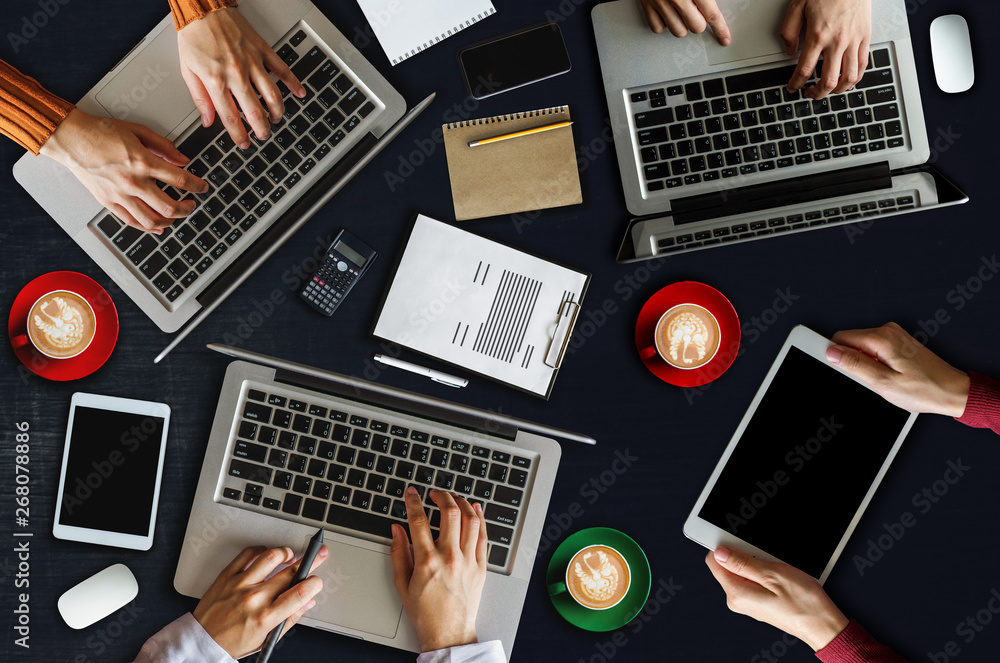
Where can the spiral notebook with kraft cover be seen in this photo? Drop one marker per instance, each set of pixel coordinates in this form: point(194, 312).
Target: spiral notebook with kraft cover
point(531, 172)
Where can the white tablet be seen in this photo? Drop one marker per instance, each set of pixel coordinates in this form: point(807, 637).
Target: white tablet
point(112, 463)
point(803, 463)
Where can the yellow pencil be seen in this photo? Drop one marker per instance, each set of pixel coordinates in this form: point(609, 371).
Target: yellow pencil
point(518, 134)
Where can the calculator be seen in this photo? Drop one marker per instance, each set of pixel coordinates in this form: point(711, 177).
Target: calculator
point(346, 260)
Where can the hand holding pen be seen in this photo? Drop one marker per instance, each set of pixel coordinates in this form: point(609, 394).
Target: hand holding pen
point(243, 605)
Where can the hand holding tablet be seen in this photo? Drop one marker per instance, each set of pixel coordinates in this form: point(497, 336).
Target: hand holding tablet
point(777, 594)
point(803, 463)
point(901, 370)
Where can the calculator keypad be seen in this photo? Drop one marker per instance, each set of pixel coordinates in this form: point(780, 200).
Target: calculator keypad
point(330, 284)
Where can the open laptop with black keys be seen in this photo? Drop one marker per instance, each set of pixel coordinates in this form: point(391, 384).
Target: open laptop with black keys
point(713, 149)
point(294, 447)
point(258, 196)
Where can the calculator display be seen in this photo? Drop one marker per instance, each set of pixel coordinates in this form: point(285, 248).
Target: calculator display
point(349, 253)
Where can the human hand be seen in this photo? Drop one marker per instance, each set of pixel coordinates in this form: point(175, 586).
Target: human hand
point(777, 594)
point(680, 16)
point(840, 31)
point(440, 582)
point(119, 162)
point(242, 606)
point(222, 60)
point(901, 370)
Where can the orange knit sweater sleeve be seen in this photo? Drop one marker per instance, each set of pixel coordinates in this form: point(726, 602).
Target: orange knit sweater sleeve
point(185, 11)
point(28, 112)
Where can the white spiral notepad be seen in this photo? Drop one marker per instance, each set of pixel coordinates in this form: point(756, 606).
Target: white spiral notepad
point(406, 27)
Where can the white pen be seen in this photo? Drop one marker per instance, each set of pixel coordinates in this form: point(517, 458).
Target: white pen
point(437, 376)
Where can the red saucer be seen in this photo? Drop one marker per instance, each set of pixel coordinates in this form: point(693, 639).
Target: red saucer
point(689, 292)
point(100, 347)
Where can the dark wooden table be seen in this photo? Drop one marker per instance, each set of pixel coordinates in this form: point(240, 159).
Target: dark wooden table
point(917, 595)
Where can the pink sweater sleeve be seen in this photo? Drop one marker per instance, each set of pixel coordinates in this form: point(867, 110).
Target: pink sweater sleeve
point(983, 408)
point(854, 645)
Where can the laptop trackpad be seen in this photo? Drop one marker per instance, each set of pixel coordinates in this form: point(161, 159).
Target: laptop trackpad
point(358, 592)
point(150, 89)
point(754, 26)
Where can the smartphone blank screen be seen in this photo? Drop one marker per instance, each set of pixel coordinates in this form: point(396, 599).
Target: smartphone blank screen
point(515, 60)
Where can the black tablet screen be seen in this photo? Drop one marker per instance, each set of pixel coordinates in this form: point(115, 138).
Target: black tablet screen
point(111, 471)
point(804, 463)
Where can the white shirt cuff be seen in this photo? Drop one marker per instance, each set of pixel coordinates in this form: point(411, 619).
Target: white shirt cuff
point(183, 639)
point(477, 652)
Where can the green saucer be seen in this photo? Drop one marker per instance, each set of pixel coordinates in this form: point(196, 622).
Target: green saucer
point(619, 615)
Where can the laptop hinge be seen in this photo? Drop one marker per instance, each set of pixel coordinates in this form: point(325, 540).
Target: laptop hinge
point(804, 189)
point(445, 416)
point(294, 214)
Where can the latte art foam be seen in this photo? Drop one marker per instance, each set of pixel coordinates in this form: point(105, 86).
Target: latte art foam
point(61, 324)
point(688, 336)
point(598, 577)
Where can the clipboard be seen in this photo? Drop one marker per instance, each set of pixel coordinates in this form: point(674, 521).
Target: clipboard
point(482, 305)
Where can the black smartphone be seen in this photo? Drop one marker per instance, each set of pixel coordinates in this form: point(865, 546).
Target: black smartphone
point(515, 60)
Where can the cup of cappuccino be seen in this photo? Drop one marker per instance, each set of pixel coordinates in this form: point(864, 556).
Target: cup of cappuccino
point(597, 578)
point(687, 337)
point(60, 325)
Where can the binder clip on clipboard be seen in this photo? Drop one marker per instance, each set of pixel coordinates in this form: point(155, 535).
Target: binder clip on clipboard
point(563, 332)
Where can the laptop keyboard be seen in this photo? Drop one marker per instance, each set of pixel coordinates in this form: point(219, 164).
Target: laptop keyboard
point(315, 462)
point(746, 128)
point(679, 239)
point(246, 185)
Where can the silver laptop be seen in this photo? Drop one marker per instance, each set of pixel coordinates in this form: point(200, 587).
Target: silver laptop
point(258, 196)
point(712, 149)
point(294, 448)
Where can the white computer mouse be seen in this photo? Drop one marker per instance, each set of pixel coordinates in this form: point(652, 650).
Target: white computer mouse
point(951, 49)
point(98, 596)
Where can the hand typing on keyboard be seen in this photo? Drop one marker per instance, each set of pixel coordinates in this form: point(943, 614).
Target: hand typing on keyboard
point(120, 162)
point(222, 60)
point(441, 582)
point(837, 30)
point(243, 605)
point(680, 16)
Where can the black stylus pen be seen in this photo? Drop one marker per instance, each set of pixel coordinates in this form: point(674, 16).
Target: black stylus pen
point(312, 550)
